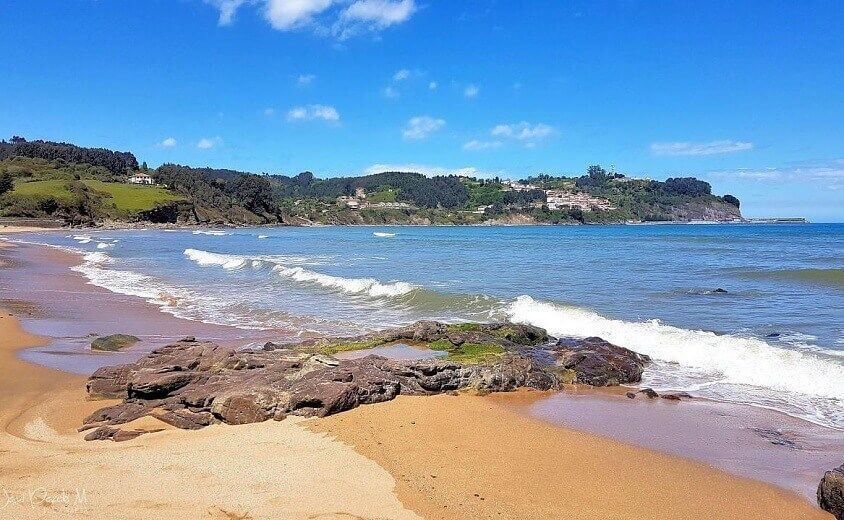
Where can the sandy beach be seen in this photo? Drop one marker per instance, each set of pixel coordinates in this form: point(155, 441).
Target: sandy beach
point(415, 457)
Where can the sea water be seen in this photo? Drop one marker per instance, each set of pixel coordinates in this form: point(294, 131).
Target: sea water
point(740, 313)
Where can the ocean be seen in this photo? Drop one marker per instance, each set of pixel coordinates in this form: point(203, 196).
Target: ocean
point(739, 313)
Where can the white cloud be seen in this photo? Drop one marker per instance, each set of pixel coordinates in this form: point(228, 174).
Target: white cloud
point(311, 112)
point(390, 92)
point(475, 145)
point(269, 111)
point(373, 15)
point(420, 127)
point(227, 9)
point(305, 79)
point(828, 173)
point(339, 18)
point(527, 133)
point(170, 142)
point(433, 85)
point(426, 170)
point(697, 149)
point(401, 75)
point(286, 15)
point(206, 143)
point(471, 91)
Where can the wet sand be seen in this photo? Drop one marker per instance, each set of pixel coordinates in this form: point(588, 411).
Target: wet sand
point(439, 457)
point(749, 442)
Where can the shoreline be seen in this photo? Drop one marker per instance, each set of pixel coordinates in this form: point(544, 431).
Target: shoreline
point(446, 416)
point(130, 226)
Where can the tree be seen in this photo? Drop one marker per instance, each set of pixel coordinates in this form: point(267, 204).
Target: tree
point(686, 186)
point(6, 182)
point(253, 191)
point(729, 199)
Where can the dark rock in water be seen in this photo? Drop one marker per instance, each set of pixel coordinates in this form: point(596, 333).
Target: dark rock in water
point(676, 396)
point(831, 492)
point(191, 384)
point(773, 335)
point(719, 291)
point(598, 362)
point(114, 342)
point(649, 392)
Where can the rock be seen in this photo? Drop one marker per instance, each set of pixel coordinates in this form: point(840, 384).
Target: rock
point(104, 433)
point(243, 407)
point(109, 382)
point(152, 385)
point(773, 335)
point(631, 395)
point(831, 492)
point(186, 419)
point(114, 342)
point(649, 392)
point(719, 291)
point(191, 384)
point(598, 362)
point(117, 414)
point(676, 396)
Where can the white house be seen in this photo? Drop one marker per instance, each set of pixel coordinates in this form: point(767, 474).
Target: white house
point(141, 178)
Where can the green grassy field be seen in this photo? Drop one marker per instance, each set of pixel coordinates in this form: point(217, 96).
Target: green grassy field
point(44, 189)
point(125, 197)
point(131, 198)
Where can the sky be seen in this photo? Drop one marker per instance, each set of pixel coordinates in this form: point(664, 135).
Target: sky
point(746, 95)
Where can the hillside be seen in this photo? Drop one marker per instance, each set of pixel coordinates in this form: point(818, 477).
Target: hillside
point(89, 186)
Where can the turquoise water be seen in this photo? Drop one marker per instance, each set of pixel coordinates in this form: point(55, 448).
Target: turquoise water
point(775, 338)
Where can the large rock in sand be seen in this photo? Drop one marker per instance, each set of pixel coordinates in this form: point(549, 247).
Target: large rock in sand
point(191, 384)
point(831, 492)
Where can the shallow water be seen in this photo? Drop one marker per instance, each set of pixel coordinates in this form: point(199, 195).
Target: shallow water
point(774, 339)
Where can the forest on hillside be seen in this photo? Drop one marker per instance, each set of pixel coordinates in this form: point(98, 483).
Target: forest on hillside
point(88, 185)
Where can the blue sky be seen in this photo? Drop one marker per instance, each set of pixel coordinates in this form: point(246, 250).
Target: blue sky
point(747, 95)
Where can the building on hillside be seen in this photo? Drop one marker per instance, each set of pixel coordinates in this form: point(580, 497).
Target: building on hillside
point(141, 178)
point(558, 199)
point(517, 186)
point(360, 193)
point(349, 202)
point(387, 205)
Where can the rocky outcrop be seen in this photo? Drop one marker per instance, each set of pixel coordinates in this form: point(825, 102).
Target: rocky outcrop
point(598, 362)
point(192, 384)
point(831, 492)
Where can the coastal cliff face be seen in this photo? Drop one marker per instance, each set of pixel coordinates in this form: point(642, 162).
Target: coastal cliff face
point(193, 384)
point(709, 211)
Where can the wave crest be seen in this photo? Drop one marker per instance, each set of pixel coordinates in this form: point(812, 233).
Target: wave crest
point(361, 286)
point(727, 360)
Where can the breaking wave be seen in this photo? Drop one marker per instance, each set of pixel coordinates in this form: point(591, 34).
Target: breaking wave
point(712, 363)
point(360, 286)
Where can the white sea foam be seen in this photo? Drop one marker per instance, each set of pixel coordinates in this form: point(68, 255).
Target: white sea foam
point(261, 237)
point(695, 357)
point(205, 258)
point(211, 232)
point(383, 234)
point(104, 245)
point(369, 286)
point(363, 286)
